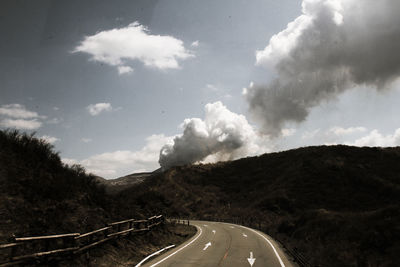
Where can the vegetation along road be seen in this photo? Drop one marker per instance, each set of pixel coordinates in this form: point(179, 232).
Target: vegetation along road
point(223, 244)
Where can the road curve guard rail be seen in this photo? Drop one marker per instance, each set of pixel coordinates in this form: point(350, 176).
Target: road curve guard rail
point(33, 248)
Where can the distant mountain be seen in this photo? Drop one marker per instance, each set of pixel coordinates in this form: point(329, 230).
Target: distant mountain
point(338, 205)
point(114, 186)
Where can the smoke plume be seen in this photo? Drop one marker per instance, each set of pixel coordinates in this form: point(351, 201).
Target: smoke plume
point(333, 46)
point(222, 135)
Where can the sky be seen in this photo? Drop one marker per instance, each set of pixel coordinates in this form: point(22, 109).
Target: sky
point(124, 86)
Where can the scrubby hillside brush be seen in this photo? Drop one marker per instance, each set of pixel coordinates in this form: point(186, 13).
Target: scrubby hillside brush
point(338, 205)
point(41, 195)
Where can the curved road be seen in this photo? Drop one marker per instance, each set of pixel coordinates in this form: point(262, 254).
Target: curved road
point(223, 244)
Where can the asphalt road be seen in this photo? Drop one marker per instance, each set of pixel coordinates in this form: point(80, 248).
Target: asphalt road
point(222, 244)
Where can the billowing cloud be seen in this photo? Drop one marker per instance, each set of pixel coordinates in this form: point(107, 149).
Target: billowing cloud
point(98, 108)
point(222, 135)
point(122, 162)
point(333, 46)
point(50, 139)
point(117, 47)
point(375, 138)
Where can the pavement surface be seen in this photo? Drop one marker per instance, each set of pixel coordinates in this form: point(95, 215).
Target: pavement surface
point(223, 244)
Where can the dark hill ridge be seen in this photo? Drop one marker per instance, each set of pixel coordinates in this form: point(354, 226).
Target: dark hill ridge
point(41, 195)
point(339, 205)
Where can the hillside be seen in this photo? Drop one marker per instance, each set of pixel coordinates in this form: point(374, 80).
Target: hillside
point(113, 186)
point(39, 195)
point(339, 205)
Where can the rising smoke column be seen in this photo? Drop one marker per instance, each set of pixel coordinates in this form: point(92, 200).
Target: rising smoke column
point(222, 135)
point(333, 46)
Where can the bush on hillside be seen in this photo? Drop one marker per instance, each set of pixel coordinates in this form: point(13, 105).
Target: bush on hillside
point(40, 194)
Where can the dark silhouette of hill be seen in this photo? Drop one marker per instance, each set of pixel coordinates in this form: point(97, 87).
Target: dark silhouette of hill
point(338, 205)
point(41, 195)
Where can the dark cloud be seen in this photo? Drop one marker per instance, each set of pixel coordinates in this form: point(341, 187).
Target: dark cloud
point(333, 46)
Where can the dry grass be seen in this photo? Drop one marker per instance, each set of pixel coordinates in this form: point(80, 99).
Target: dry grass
point(338, 205)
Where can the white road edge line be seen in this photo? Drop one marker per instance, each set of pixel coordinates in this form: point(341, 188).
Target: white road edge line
point(269, 242)
point(152, 255)
point(172, 254)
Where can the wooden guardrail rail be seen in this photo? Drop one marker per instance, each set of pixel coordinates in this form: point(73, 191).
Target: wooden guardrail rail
point(39, 247)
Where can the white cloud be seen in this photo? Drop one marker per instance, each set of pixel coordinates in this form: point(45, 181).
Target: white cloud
point(118, 46)
point(227, 96)
point(54, 121)
point(212, 87)
point(339, 131)
point(98, 108)
point(222, 135)
point(288, 132)
point(310, 134)
point(122, 162)
point(375, 138)
point(50, 139)
point(86, 140)
point(195, 43)
point(70, 161)
point(282, 43)
point(18, 117)
point(333, 135)
point(124, 70)
point(21, 124)
point(18, 111)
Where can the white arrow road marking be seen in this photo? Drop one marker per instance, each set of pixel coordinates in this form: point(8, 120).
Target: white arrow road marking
point(269, 242)
point(232, 227)
point(251, 259)
point(214, 231)
point(205, 225)
point(244, 235)
point(207, 245)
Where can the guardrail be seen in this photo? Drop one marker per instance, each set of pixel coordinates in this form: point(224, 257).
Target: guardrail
point(39, 247)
